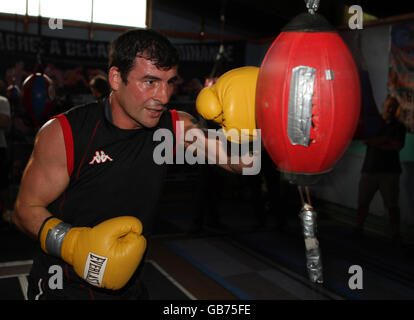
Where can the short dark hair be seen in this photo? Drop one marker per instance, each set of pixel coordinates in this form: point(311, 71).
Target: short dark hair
point(100, 84)
point(144, 43)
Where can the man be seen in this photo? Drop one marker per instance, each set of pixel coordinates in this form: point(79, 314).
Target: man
point(99, 87)
point(381, 168)
point(91, 186)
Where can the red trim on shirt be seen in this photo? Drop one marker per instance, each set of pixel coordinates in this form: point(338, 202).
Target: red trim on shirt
point(67, 271)
point(67, 135)
point(61, 205)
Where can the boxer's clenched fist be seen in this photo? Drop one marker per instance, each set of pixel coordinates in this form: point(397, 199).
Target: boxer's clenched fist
point(106, 255)
point(231, 102)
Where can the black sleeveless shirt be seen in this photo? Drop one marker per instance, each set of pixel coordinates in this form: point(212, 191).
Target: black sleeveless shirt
point(112, 173)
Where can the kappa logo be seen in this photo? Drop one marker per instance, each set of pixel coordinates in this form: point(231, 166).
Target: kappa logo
point(100, 157)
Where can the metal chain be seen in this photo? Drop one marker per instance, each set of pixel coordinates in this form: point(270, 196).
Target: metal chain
point(308, 200)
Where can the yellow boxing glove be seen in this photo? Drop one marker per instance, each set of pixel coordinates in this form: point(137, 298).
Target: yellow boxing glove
point(230, 102)
point(106, 255)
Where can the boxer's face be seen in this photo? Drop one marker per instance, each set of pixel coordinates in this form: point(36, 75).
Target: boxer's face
point(143, 99)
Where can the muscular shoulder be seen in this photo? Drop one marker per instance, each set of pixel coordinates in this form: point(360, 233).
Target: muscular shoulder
point(184, 116)
point(49, 143)
point(49, 131)
point(189, 120)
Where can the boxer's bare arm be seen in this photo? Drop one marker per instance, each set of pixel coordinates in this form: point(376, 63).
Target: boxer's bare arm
point(44, 179)
point(217, 149)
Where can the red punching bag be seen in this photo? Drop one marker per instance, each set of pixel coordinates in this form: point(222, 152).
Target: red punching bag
point(307, 98)
point(38, 97)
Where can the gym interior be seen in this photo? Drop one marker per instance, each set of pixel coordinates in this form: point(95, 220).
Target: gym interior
point(218, 235)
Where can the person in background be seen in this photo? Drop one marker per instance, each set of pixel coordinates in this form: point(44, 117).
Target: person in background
point(99, 87)
point(381, 169)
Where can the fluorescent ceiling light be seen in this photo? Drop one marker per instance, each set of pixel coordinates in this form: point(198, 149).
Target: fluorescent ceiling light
point(15, 6)
point(124, 13)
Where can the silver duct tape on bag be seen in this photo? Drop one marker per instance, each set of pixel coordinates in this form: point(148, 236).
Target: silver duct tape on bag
point(300, 105)
point(313, 256)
